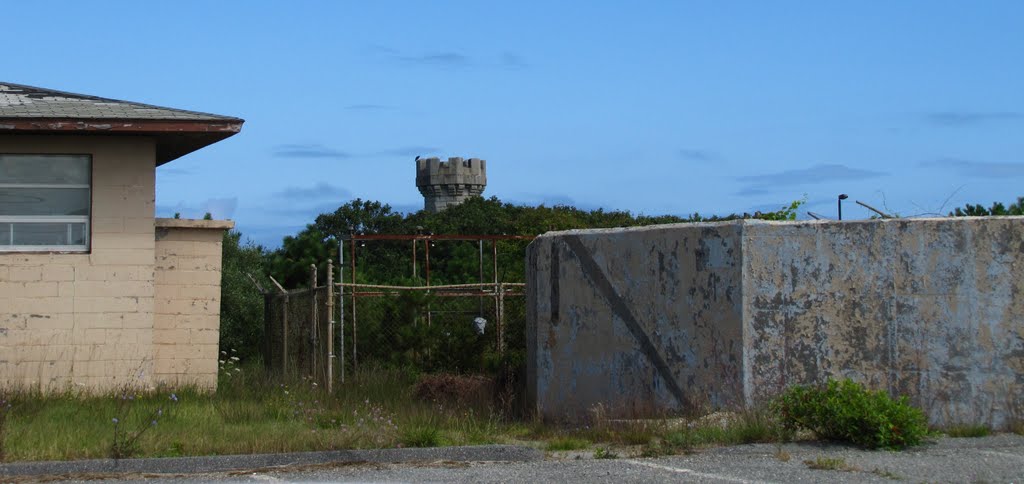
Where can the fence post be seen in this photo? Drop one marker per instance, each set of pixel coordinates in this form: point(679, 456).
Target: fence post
point(501, 318)
point(355, 325)
point(313, 321)
point(267, 349)
point(330, 325)
point(284, 327)
point(498, 295)
point(341, 304)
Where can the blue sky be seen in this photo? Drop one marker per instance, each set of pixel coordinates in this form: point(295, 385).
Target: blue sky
point(653, 107)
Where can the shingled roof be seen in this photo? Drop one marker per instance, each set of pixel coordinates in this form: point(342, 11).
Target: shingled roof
point(34, 110)
point(18, 101)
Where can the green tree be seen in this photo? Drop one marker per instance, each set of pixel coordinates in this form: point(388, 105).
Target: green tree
point(390, 262)
point(241, 304)
point(997, 209)
point(290, 264)
point(360, 217)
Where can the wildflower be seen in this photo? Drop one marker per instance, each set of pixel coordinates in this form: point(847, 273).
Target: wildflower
point(174, 397)
point(115, 420)
point(235, 358)
point(153, 423)
point(159, 412)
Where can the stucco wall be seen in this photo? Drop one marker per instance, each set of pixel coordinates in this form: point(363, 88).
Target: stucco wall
point(85, 319)
point(187, 320)
point(735, 311)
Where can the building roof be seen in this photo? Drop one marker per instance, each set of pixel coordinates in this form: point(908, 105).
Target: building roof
point(34, 110)
point(19, 101)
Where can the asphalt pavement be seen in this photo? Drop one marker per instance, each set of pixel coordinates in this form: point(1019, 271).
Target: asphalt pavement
point(998, 458)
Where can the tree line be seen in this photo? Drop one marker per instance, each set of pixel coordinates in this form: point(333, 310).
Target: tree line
point(389, 262)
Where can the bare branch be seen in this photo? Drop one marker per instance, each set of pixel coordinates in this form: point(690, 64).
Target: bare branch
point(873, 209)
point(256, 283)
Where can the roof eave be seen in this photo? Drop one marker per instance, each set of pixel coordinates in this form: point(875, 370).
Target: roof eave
point(174, 138)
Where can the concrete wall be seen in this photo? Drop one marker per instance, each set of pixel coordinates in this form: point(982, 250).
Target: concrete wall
point(187, 321)
point(141, 307)
point(932, 309)
point(85, 319)
point(736, 311)
point(638, 320)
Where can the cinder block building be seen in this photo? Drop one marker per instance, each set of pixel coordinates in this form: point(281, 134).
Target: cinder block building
point(95, 292)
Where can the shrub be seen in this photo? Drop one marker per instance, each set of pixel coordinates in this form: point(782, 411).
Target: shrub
point(847, 412)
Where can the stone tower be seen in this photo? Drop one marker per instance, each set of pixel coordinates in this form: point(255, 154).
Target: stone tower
point(447, 183)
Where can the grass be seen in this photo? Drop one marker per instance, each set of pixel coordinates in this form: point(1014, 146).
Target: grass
point(251, 413)
point(376, 408)
point(829, 464)
point(567, 443)
point(969, 431)
point(746, 427)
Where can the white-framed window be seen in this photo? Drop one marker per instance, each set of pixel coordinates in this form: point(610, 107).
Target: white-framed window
point(45, 202)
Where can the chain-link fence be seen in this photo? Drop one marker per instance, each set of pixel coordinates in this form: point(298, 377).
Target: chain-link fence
point(296, 325)
point(464, 328)
point(298, 333)
point(458, 328)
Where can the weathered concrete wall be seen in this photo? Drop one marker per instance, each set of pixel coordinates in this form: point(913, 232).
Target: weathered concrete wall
point(932, 309)
point(736, 311)
point(639, 321)
point(186, 323)
point(85, 319)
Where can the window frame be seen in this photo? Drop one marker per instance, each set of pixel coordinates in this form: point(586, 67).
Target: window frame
point(86, 219)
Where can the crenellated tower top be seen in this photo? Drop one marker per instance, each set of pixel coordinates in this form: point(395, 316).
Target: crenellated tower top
point(447, 183)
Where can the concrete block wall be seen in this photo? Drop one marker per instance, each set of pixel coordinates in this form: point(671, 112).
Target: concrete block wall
point(186, 327)
point(654, 319)
point(85, 319)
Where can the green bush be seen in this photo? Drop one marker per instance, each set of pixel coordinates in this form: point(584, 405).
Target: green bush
point(845, 411)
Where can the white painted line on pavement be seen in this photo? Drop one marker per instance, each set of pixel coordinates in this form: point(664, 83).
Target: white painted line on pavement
point(691, 472)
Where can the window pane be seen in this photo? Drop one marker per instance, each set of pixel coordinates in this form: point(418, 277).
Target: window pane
point(5, 234)
point(49, 233)
point(44, 201)
point(79, 236)
point(45, 169)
